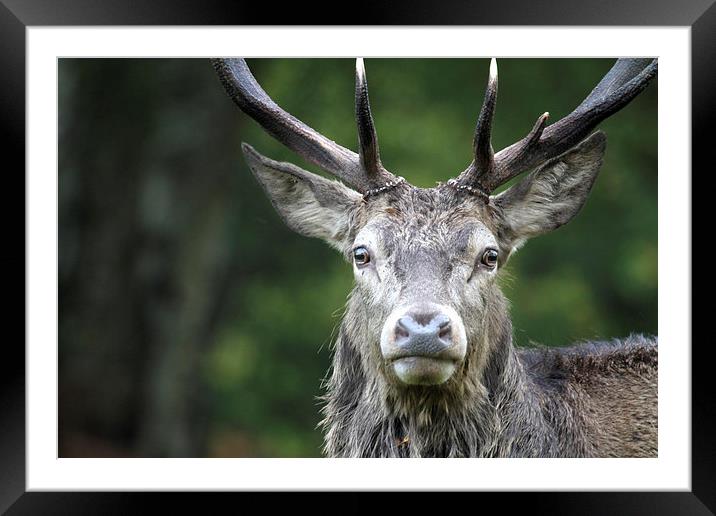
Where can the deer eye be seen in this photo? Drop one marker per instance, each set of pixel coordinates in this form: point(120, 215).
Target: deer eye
point(489, 258)
point(361, 256)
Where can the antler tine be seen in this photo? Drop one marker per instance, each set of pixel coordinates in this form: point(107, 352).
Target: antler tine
point(367, 136)
point(623, 71)
point(483, 155)
point(243, 89)
point(483, 161)
point(624, 81)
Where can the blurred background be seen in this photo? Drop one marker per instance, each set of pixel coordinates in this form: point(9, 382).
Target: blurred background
point(193, 323)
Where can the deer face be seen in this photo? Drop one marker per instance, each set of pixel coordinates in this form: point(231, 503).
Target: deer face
point(424, 269)
point(426, 260)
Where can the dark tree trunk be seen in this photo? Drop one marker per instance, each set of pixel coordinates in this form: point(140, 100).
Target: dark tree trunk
point(145, 260)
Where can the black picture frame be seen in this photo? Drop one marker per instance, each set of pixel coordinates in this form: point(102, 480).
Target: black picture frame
point(17, 15)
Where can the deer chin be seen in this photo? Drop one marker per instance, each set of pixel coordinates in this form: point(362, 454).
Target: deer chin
point(418, 370)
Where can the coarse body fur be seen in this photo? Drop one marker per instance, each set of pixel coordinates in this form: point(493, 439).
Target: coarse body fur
point(595, 399)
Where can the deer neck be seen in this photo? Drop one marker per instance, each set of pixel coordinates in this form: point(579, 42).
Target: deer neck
point(490, 414)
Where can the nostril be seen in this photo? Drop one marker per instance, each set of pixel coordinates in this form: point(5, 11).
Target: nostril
point(401, 329)
point(444, 330)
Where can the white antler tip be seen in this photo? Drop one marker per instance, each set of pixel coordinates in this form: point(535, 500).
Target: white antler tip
point(360, 67)
point(493, 69)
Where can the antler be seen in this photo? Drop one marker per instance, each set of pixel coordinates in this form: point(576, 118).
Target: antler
point(626, 79)
point(363, 172)
point(367, 136)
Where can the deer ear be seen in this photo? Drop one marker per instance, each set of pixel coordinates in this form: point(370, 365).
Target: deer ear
point(551, 195)
point(308, 203)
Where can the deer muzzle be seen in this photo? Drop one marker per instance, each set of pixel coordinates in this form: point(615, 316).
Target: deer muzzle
point(423, 344)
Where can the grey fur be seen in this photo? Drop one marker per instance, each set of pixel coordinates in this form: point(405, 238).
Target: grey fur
point(595, 399)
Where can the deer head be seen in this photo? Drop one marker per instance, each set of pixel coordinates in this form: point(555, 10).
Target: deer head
point(426, 260)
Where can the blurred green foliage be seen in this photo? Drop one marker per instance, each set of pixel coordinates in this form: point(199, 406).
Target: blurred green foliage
point(595, 278)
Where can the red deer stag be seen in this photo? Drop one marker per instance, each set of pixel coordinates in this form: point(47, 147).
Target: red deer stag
point(424, 364)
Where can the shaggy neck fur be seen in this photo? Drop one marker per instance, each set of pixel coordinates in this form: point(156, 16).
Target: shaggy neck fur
point(492, 409)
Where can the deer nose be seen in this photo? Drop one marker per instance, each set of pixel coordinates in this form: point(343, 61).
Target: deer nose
point(423, 344)
point(423, 334)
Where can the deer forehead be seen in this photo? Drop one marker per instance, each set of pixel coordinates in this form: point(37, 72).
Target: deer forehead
point(427, 222)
